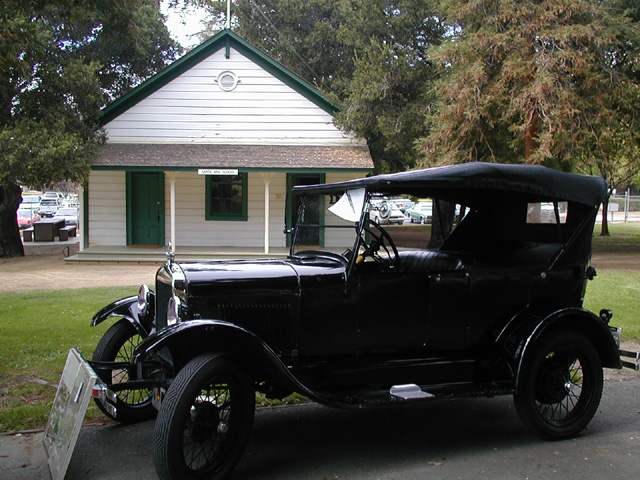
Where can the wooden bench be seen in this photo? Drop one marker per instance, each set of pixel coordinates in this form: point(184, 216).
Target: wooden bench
point(27, 235)
point(66, 232)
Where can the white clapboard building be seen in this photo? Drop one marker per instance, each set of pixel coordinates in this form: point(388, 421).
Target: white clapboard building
point(204, 153)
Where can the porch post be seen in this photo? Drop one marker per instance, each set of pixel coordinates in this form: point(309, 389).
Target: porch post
point(267, 182)
point(81, 216)
point(172, 202)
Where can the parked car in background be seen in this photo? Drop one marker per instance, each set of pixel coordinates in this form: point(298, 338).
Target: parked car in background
point(70, 215)
point(385, 212)
point(30, 202)
point(26, 218)
point(403, 204)
point(421, 212)
point(49, 206)
point(56, 195)
point(499, 312)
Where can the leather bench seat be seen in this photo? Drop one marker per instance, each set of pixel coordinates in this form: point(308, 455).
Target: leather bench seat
point(429, 261)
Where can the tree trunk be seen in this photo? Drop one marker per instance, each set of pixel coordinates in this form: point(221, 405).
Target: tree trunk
point(10, 243)
point(604, 232)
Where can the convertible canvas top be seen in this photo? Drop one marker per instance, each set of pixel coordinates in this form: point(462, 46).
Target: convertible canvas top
point(479, 183)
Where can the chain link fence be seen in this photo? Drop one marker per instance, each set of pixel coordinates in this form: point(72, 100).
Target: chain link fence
point(624, 208)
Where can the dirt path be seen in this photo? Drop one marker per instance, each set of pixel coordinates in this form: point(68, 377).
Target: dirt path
point(43, 272)
point(51, 272)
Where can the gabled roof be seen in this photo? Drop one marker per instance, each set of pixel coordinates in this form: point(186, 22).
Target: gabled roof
point(225, 39)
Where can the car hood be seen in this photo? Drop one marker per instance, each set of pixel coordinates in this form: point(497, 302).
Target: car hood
point(259, 275)
point(239, 274)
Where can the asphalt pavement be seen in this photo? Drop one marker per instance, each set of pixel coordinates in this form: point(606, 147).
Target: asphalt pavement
point(451, 439)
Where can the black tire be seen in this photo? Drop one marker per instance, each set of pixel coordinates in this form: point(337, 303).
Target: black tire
point(117, 344)
point(561, 386)
point(205, 420)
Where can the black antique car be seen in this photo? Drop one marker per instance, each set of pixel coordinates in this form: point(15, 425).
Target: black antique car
point(360, 315)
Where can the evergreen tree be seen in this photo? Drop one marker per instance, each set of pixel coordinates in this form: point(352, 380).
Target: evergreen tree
point(541, 81)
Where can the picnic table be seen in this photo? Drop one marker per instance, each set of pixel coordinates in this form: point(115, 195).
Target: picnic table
point(47, 229)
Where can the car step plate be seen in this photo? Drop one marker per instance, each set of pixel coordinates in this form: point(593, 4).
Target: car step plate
point(409, 392)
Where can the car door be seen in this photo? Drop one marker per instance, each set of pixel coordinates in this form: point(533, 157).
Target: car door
point(393, 310)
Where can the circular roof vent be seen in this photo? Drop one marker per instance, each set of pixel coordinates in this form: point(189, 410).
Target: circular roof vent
point(227, 81)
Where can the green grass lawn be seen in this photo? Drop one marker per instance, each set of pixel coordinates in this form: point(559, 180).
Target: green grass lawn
point(621, 235)
point(38, 329)
point(619, 292)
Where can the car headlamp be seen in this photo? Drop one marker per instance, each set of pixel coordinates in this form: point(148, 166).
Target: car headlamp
point(143, 300)
point(173, 311)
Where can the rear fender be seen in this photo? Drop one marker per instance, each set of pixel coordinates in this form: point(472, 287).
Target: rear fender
point(126, 308)
point(184, 341)
point(520, 341)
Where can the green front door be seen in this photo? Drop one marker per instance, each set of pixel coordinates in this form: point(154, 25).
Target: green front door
point(145, 208)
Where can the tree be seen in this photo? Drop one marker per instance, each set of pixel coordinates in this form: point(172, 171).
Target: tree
point(535, 82)
point(60, 60)
point(616, 158)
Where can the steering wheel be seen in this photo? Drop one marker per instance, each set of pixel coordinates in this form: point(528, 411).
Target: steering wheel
point(379, 240)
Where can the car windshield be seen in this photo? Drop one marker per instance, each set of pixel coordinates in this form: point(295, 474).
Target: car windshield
point(327, 222)
point(330, 222)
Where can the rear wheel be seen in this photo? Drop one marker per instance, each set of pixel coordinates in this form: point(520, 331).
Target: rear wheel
point(117, 344)
point(205, 420)
point(561, 386)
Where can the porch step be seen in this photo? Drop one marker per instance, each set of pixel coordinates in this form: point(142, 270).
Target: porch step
point(157, 255)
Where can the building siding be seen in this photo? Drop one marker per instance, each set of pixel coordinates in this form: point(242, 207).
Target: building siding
point(107, 202)
point(261, 110)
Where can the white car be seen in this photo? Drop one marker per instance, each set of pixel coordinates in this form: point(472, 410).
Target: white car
point(49, 206)
point(70, 215)
point(385, 212)
point(30, 202)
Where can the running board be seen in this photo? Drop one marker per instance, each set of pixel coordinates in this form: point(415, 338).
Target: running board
point(409, 392)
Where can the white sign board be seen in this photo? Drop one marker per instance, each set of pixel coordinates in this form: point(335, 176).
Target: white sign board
point(67, 413)
point(217, 171)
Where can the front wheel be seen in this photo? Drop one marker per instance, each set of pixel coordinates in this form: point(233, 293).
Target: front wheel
point(117, 344)
point(205, 420)
point(561, 386)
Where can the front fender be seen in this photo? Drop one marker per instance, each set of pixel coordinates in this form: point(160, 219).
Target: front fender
point(521, 340)
point(186, 340)
point(126, 308)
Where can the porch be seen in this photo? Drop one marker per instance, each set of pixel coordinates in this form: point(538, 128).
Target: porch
point(157, 255)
